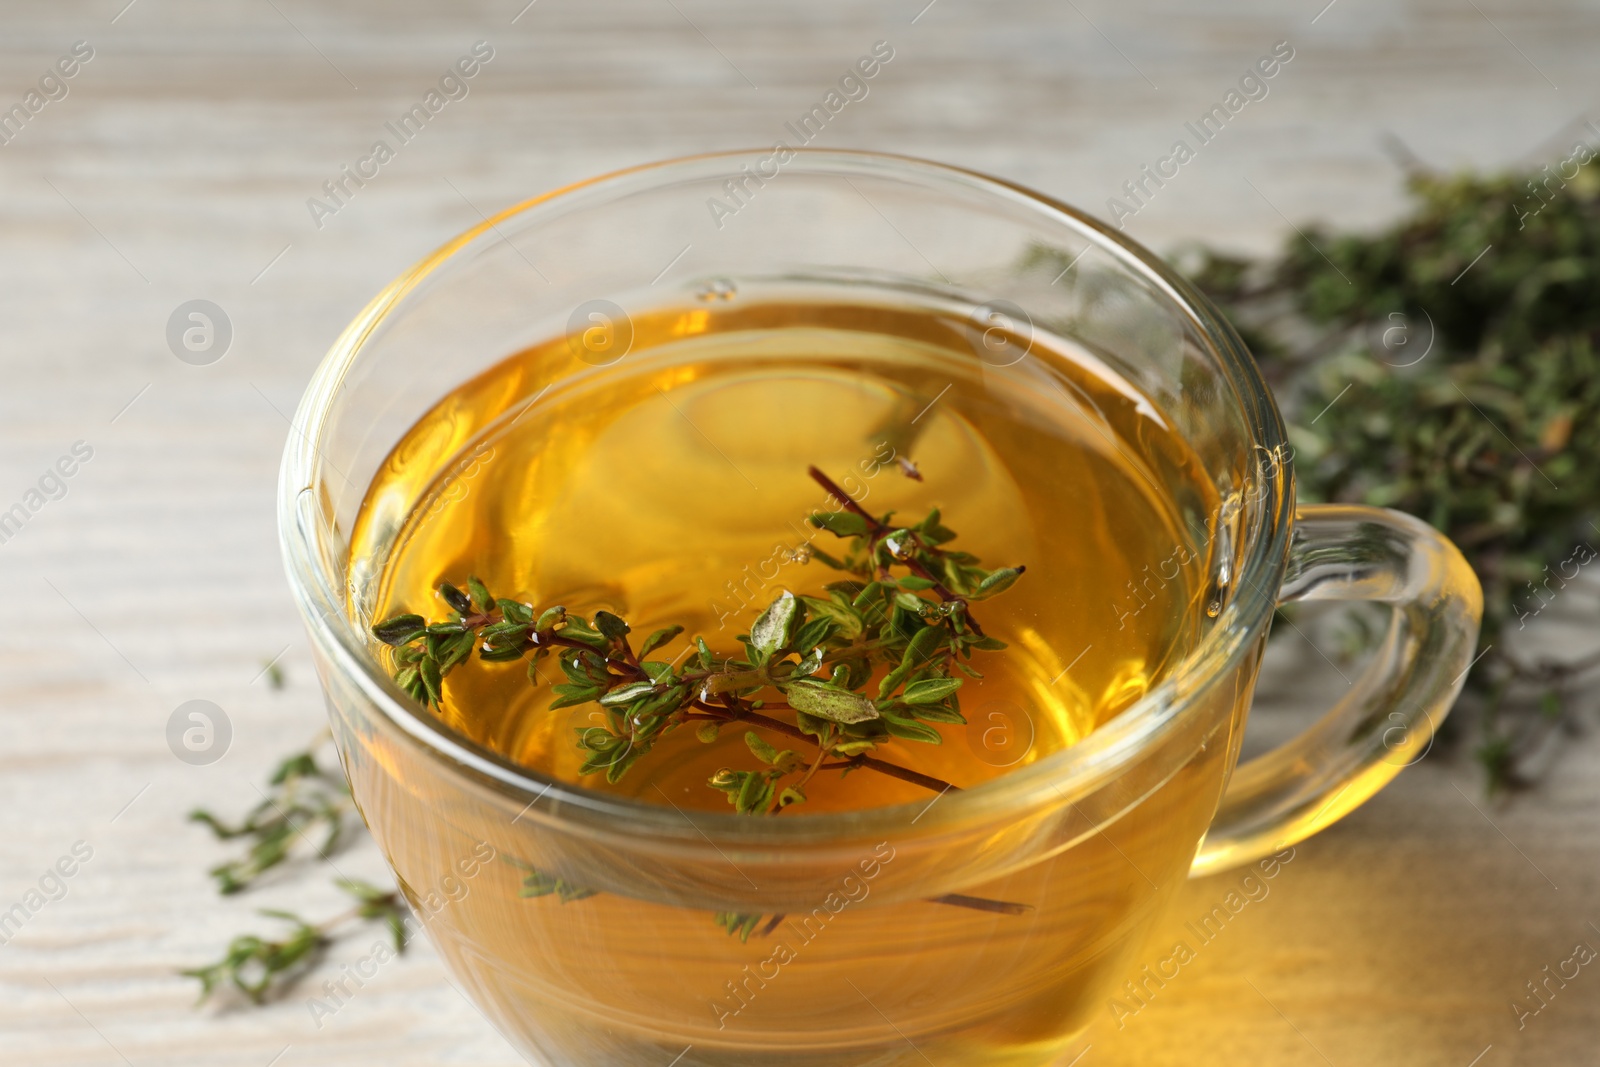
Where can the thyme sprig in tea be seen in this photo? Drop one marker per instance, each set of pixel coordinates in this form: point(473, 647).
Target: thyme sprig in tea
point(904, 607)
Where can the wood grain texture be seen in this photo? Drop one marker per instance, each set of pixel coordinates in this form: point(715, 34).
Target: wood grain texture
point(179, 166)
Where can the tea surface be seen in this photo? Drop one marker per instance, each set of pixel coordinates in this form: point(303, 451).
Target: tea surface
point(670, 487)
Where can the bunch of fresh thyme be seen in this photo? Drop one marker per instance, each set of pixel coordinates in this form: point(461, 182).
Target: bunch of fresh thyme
point(1449, 366)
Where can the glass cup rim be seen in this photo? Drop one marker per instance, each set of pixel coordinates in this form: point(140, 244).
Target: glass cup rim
point(1062, 775)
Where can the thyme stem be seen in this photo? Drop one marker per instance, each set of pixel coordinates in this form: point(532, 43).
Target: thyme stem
point(879, 531)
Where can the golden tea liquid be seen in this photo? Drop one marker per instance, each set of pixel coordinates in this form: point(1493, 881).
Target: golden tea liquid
point(670, 487)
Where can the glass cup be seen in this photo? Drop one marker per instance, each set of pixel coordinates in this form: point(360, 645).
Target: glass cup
point(582, 924)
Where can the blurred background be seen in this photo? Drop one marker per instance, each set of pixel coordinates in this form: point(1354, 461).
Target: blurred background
point(175, 164)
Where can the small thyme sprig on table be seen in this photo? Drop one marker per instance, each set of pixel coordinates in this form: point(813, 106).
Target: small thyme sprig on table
point(302, 797)
point(260, 968)
point(816, 654)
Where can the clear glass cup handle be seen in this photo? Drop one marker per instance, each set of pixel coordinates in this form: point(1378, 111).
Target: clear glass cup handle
point(1386, 720)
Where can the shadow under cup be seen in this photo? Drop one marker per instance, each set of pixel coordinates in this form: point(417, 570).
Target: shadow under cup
point(582, 924)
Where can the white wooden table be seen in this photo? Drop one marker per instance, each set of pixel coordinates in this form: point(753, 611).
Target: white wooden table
point(178, 167)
